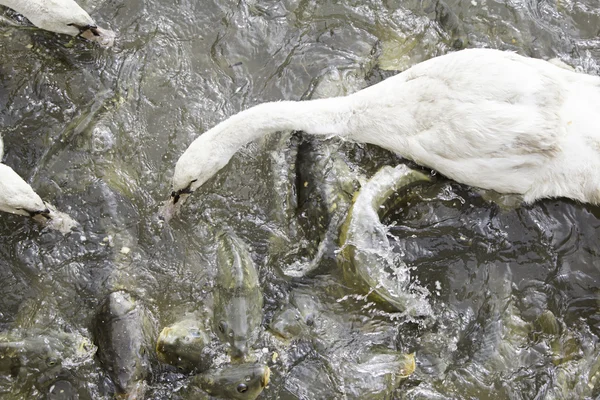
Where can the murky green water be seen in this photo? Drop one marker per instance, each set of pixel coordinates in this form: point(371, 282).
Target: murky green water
point(97, 133)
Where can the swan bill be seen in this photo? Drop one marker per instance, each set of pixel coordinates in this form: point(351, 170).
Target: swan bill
point(172, 206)
point(41, 216)
point(54, 219)
point(104, 37)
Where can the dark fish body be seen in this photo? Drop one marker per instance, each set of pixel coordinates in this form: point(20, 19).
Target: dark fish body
point(121, 339)
point(237, 381)
point(238, 299)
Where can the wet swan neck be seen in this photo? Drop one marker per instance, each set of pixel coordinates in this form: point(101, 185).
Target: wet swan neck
point(318, 117)
point(212, 150)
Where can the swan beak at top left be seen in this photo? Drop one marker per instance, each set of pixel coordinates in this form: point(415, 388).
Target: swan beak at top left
point(104, 37)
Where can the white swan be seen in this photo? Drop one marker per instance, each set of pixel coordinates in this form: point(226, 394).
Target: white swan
point(61, 16)
point(485, 118)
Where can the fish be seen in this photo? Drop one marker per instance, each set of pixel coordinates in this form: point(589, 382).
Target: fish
point(37, 350)
point(238, 299)
point(184, 344)
point(367, 257)
point(234, 381)
point(121, 337)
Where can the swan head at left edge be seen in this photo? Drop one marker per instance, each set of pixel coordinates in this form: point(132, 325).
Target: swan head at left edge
point(17, 197)
point(62, 16)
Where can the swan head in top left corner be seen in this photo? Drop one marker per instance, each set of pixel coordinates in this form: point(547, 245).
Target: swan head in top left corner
point(93, 33)
point(62, 16)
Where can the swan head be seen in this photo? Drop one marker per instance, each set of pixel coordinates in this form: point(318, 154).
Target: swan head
point(200, 162)
point(17, 197)
point(66, 17)
point(93, 33)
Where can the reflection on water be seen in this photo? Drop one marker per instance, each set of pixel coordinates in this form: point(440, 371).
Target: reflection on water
point(514, 292)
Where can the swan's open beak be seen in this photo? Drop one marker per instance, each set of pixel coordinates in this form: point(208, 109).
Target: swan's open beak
point(103, 37)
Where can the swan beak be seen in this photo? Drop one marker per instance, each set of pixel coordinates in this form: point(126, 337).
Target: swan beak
point(172, 206)
point(104, 37)
point(41, 216)
point(54, 219)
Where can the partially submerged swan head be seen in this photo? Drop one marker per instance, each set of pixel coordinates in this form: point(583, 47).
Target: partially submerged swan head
point(17, 197)
point(93, 33)
point(62, 16)
point(200, 162)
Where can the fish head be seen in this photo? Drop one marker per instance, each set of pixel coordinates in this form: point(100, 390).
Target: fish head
point(239, 349)
point(234, 331)
point(44, 352)
point(237, 381)
point(182, 344)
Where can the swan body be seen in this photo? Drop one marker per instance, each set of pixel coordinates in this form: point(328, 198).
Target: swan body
point(486, 118)
point(61, 16)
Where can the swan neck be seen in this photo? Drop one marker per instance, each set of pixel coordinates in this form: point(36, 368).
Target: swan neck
point(212, 150)
point(317, 117)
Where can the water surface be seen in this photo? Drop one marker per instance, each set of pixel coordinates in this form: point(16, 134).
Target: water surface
point(97, 132)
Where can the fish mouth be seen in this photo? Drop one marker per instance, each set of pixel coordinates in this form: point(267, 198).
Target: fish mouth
point(85, 349)
point(265, 377)
point(160, 343)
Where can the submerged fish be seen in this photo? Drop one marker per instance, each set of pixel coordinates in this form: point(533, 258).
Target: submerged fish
point(42, 350)
point(183, 344)
point(121, 338)
point(62, 390)
point(238, 299)
point(238, 381)
point(367, 257)
point(376, 374)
